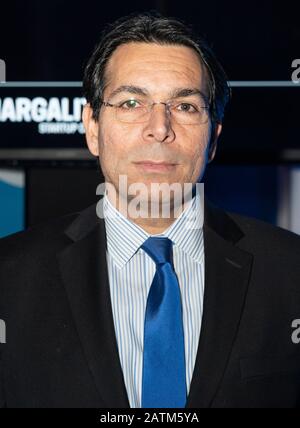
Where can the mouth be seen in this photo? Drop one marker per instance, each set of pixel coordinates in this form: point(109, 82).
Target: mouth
point(155, 166)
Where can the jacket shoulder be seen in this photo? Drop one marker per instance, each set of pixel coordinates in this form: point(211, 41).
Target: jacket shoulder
point(36, 239)
point(265, 235)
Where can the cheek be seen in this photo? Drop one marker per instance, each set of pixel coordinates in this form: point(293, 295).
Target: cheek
point(110, 146)
point(114, 148)
point(196, 146)
point(196, 153)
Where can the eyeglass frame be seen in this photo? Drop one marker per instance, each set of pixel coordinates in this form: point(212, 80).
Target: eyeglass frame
point(167, 104)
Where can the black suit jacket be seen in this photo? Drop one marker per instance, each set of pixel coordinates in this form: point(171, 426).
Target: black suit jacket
point(61, 349)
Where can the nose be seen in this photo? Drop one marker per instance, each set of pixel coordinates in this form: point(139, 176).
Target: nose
point(159, 127)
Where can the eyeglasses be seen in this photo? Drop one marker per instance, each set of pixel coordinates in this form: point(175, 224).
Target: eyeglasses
point(184, 112)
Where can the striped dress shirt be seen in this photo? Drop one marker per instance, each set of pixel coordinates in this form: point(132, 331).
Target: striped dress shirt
point(131, 272)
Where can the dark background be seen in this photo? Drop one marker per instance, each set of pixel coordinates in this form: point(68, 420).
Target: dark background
point(51, 40)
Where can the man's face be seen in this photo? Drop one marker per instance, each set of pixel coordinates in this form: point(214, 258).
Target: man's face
point(160, 72)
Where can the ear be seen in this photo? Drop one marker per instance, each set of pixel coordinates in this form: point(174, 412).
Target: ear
point(216, 131)
point(91, 127)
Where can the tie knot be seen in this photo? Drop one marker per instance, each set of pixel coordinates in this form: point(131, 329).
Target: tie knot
point(159, 249)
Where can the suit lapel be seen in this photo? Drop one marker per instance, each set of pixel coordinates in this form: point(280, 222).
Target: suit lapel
point(84, 272)
point(227, 274)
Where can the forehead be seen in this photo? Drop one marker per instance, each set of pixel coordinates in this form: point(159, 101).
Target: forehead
point(159, 68)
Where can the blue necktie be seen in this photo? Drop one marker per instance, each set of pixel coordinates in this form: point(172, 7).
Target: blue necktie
point(164, 383)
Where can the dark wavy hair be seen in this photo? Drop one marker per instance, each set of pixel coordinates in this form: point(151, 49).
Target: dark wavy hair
point(153, 28)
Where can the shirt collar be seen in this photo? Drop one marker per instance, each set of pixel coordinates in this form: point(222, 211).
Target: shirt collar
point(124, 238)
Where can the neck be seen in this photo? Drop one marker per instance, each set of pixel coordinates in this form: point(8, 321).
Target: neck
point(153, 222)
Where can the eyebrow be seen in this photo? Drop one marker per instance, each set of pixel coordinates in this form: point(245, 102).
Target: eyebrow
point(131, 89)
point(187, 92)
point(176, 93)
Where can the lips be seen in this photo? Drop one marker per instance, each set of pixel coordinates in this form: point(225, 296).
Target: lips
point(155, 166)
point(155, 162)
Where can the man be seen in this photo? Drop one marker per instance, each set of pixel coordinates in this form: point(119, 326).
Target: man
point(106, 308)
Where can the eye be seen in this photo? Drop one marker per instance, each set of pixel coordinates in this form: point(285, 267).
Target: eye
point(187, 108)
point(129, 104)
